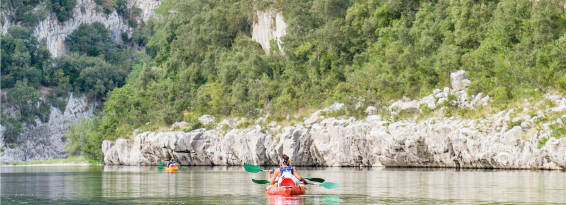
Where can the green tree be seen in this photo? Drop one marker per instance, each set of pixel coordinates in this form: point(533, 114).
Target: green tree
point(92, 39)
point(82, 137)
point(23, 58)
point(63, 9)
point(24, 97)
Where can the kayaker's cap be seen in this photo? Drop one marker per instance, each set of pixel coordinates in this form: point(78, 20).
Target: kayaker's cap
point(284, 159)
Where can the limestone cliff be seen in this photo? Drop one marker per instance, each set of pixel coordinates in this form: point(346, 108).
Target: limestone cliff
point(46, 140)
point(86, 11)
point(503, 139)
point(269, 26)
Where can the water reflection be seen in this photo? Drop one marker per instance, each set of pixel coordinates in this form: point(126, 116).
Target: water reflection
point(282, 200)
point(220, 185)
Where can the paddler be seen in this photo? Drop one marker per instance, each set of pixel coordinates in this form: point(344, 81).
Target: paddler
point(171, 162)
point(285, 171)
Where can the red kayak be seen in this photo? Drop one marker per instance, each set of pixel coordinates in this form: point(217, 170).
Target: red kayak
point(286, 188)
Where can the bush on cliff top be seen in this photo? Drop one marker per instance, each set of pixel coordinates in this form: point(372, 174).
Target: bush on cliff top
point(63, 9)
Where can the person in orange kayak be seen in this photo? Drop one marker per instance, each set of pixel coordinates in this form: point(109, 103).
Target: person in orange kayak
point(285, 171)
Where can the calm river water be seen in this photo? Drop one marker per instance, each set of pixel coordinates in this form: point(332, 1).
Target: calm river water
point(232, 185)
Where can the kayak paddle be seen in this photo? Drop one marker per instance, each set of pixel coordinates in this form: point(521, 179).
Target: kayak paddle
point(260, 181)
point(161, 162)
point(159, 167)
point(328, 185)
point(319, 180)
point(253, 169)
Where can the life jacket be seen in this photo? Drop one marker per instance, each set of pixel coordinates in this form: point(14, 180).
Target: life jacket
point(286, 170)
point(287, 177)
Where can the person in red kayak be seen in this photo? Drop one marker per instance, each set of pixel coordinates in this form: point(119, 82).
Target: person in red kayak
point(285, 171)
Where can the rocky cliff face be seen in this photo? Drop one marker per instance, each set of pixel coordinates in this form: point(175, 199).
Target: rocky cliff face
point(436, 142)
point(46, 140)
point(86, 11)
point(494, 141)
point(269, 26)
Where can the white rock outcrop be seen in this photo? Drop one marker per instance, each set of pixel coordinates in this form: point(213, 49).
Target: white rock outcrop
point(206, 119)
point(370, 110)
point(458, 80)
point(86, 11)
point(334, 107)
point(269, 25)
point(335, 142)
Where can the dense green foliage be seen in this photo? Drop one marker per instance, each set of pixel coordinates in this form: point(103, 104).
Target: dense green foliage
point(23, 59)
point(103, 66)
point(204, 61)
point(28, 68)
point(92, 75)
point(25, 67)
point(23, 10)
point(63, 9)
point(92, 39)
point(82, 137)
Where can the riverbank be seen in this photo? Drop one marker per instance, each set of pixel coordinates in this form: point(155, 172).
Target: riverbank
point(71, 161)
point(447, 128)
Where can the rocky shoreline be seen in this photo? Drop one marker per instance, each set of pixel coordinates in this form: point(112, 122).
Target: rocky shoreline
point(334, 142)
point(507, 139)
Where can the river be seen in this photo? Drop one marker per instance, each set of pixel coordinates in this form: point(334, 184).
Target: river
point(233, 185)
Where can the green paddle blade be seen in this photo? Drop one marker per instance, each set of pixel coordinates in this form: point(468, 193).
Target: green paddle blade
point(252, 168)
point(161, 162)
point(330, 185)
point(319, 180)
point(259, 181)
point(159, 167)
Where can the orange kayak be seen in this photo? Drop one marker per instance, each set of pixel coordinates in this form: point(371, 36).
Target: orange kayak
point(286, 191)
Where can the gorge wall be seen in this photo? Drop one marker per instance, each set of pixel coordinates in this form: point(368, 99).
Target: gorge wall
point(435, 142)
point(503, 139)
point(88, 12)
point(269, 25)
point(46, 140)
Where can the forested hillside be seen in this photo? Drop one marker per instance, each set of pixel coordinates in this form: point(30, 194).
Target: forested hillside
point(59, 59)
point(201, 59)
point(95, 66)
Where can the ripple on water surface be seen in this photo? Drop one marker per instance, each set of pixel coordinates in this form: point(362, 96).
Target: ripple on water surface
point(232, 185)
